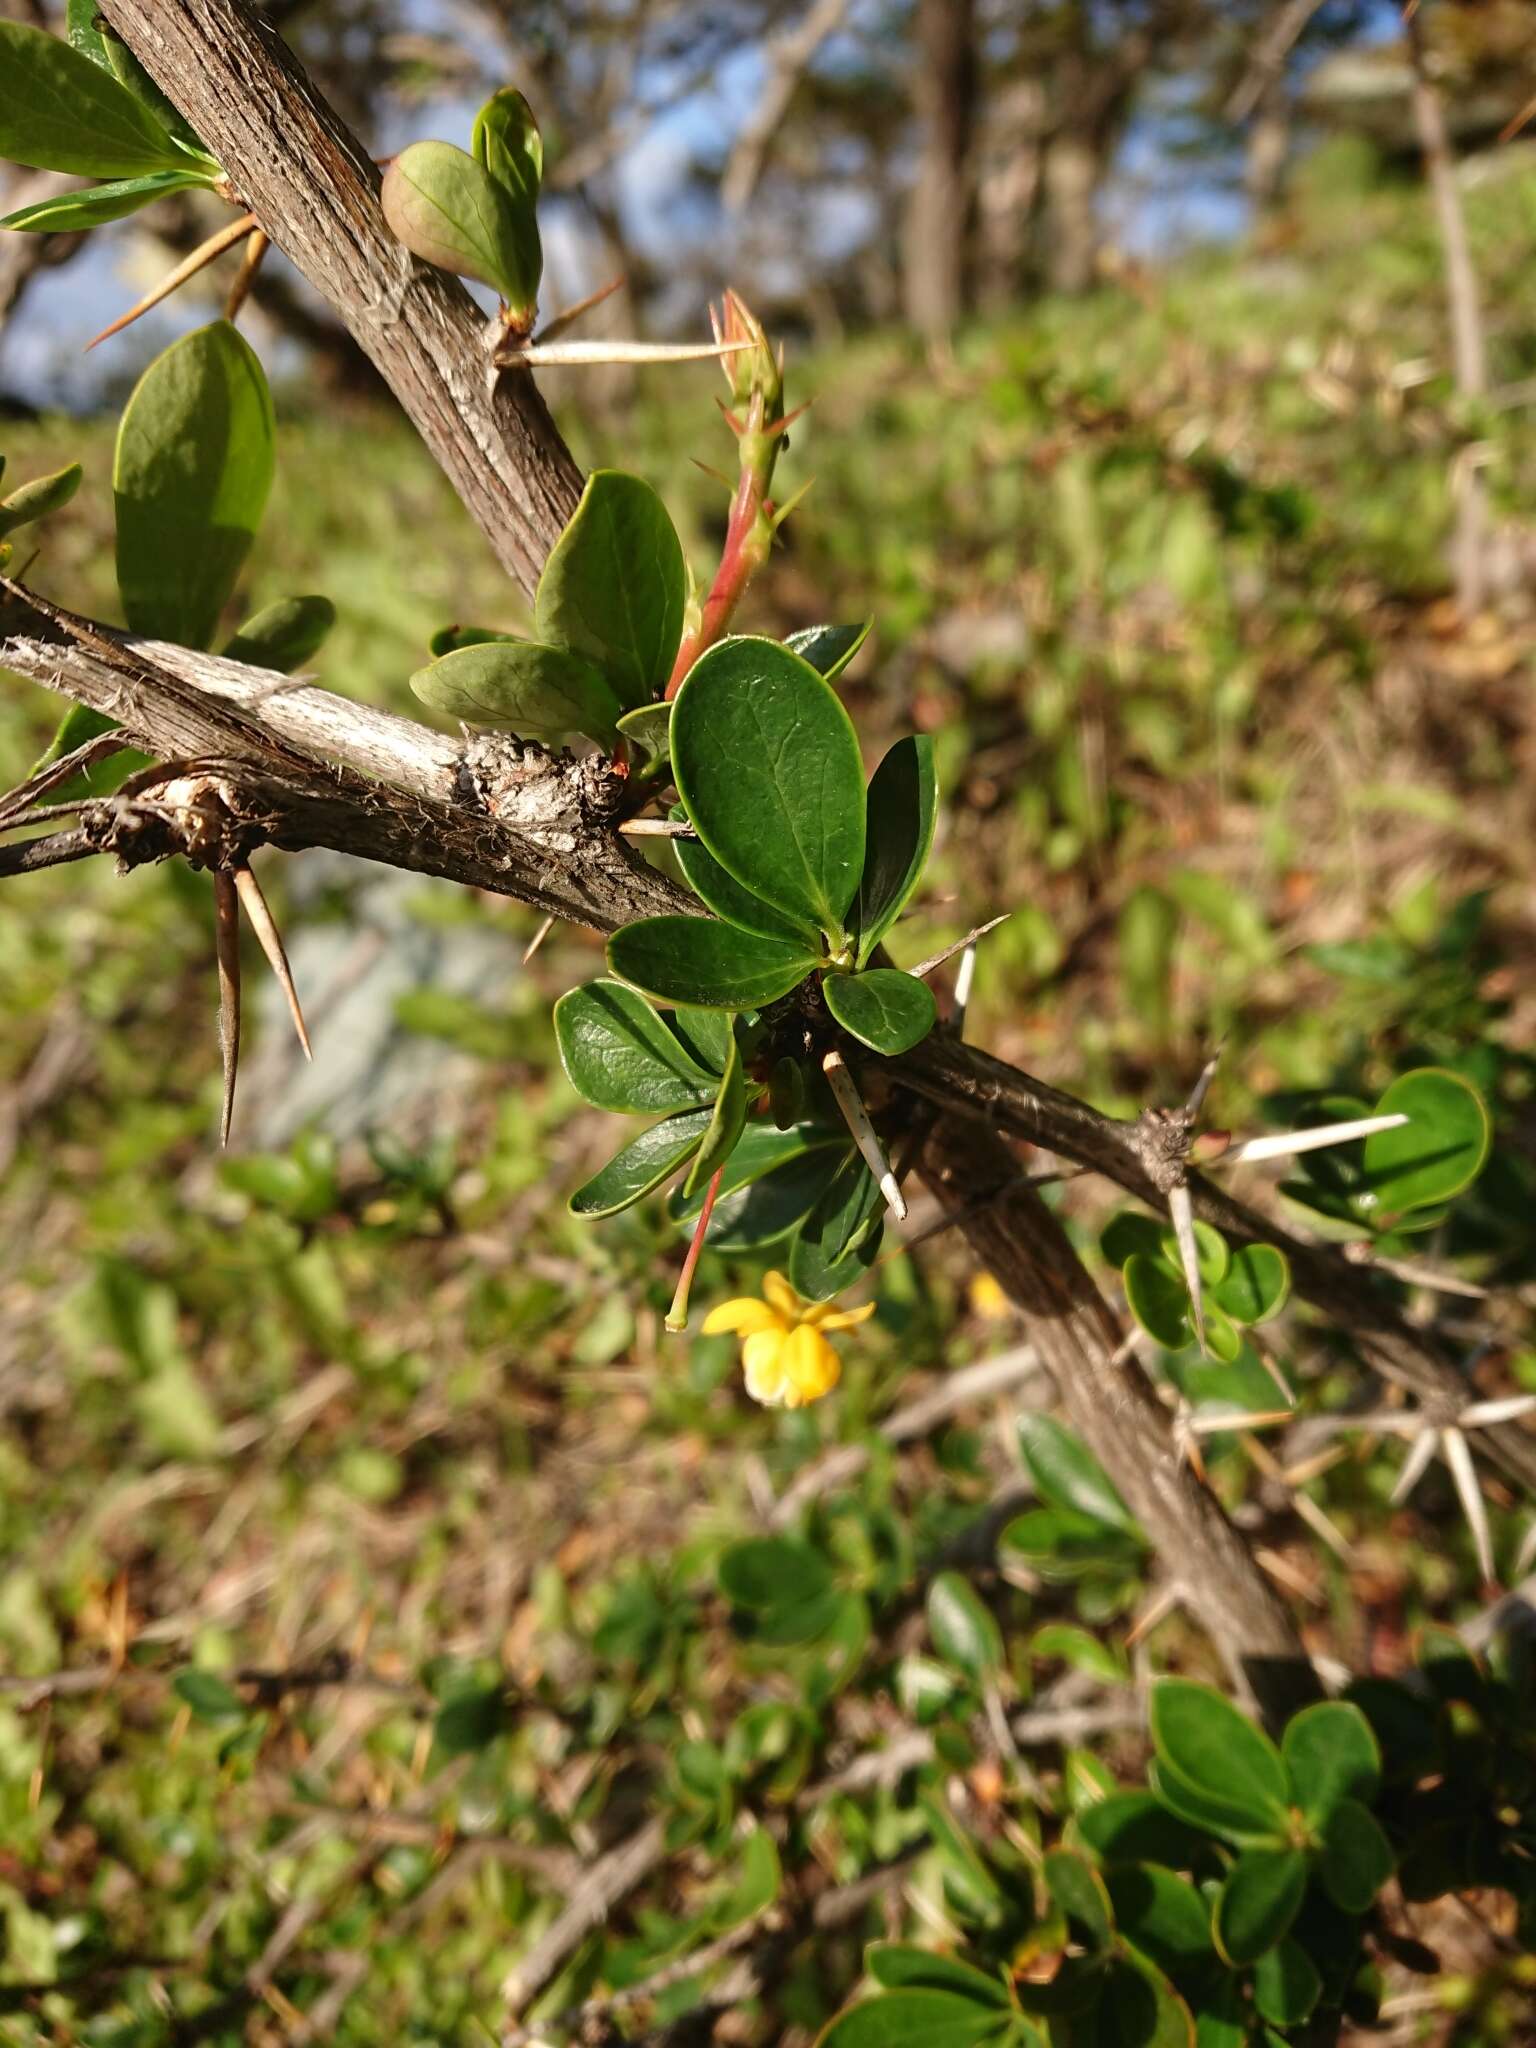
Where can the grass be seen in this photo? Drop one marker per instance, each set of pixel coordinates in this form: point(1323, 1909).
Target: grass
point(1163, 574)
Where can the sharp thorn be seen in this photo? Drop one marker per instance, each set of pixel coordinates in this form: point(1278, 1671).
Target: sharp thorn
point(567, 317)
point(864, 1134)
point(1198, 1093)
point(1181, 1209)
point(554, 355)
point(926, 967)
point(1285, 1143)
point(245, 276)
point(1458, 1456)
point(189, 266)
point(226, 940)
point(545, 928)
point(265, 928)
point(1415, 1465)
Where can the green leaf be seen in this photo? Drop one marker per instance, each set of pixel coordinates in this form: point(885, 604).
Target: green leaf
point(449, 639)
point(1438, 1152)
point(191, 476)
point(1258, 1902)
point(710, 965)
point(449, 210)
point(1161, 1914)
point(1211, 1253)
point(725, 1125)
point(539, 692)
point(1129, 1232)
point(726, 897)
point(1209, 1812)
point(786, 1092)
point(762, 1151)
point(828, 649)
point(208, 1696)
point(71, 212)
point(1067, 1475)
point(619, 1055)
point(918, 2018)
point(1139, 2008)
point(642, 1165)
point(470, 1721)
point(1080, 1892)
point(901, 809)
point(1331, 1754)
point(963, 1628)
point(1286, 1986)
point(705, 1034)
point(1135, 1827)
point(840, 1236)
point(767, 764)
point(896, 1966)
point(1159, 1300)
point(506, 142)
point(1256, 1285)
point(61, 112)
point(764, 1211)
point(1059, 1543)
point(1357, 1858)
point(37, 498)
point(648, 728)
point(1081, 1649)
point(755, 1888)
point(1218, 1752)
point(283, 635)
point(763, 1572)
point(883, 1008)
point(614, 587)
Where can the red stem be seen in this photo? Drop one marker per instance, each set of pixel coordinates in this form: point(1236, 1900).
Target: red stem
point(677, 1314)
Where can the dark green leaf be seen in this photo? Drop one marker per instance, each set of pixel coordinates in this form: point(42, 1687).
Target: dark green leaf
point(61, 112)
point(699, 961)
point(1357, 1858)
point(130, 73)
point(755, 1888)
point(449, 639)
point(1331, 1754)
point(614, 587)
point(762, 1150)
point(648, 728)
point(449, 210)
point(208, 1696)
point(919, 2018)
point(764, 1572)
point(1285, 1984)
point(901, 810)
point(705, 1034)
point(471, 1720)
point(191, 476)
point(1209, 1811)
point(1256, 1285)
point(1079, 1890)
point(828, 649)
point(840, 1236)
point(727, 898)
point(882, 1008)
point(1161, 1914)
point(1067, 1475)
point(963, 1628)
point(725, 1125)
point(1059, 1543)
point(642, 1165)
point(523, 686)
point(1258, 1902)
point(1140, 2008)
point(762, 1213)
point(619, 1055)
point(1135, 1827)
point(1211, 1253)
point(38, 497)
point(283, 635)
point(1202, 1738)
point(896, 1966)
point(768, 765)
point(1438, 1152)
point(1159, 1301)
point(786, 1092)
point(1083, 1650)
point(1130, 1232)
point(71, 212)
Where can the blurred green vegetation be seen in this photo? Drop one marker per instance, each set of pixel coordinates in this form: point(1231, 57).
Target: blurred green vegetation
point(1163, 572)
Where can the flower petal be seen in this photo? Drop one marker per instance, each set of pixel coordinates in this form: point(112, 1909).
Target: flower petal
point(848, 1318)
point(810, 1366)
point(745, 1316)
point(781, 1297)
point(762, 1364)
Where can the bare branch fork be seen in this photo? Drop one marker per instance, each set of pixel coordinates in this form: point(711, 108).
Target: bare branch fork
point(281, 762)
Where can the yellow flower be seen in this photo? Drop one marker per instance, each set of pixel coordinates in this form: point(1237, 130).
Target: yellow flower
point(988, 1299)
point(785, 1356)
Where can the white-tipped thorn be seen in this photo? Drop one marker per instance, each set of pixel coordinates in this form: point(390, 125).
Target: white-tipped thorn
point(543, 932)
point(865, 1136)
point(271, 941)
point(1198, 1093)
point(1481, 1413)
point(965, 975)
point(1181, 1210)
point(554, 355)
point(1458, 1457)
point(226, 944)
point(1420, 1452)
point(925, 967)
point(1285, 1143)
point(657, 828)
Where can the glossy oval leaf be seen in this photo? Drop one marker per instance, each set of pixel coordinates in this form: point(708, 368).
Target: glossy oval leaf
point(448, 210)
point(726, 897)
point(1331, 1753)
point(828, 649)
point(1256, 1285)
point(619, 1055)
point(1200, 1735)
point(1357, 1858)
point(764, 1150)
point(1440, 1150)
point(191, 476)
point(61, 112)
point(901, 810)
point(886, 1010)
point(963, 1628)
point(838, 1241)
point(614, 587)
point(1162, 1915)
point(643, 1165)
point(1139, 2008)
point(767, 763)
point(648, 729)
point(702, 962)
point(896, 1966)
point(1080, 1892)
point(1067, 1474)
point(283, 635)
point(1058, 1543)
point(1211, 1253)
point(72, 212)
point(725, 1124)
point(1157, 1297)
point(1286, 1985)
point(917, 2018)
point(765, 1210)
point(39, 496)
point(521, 686)
point(1135, 1827)
point(1258, 1902)
point(1232, 1821)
